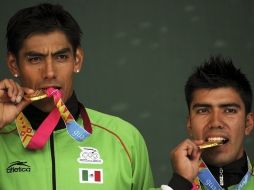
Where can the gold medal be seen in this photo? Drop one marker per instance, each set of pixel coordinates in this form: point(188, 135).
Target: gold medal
point(37, 95)
point(211, 144)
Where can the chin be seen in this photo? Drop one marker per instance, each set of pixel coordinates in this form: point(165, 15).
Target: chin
point(217, 160)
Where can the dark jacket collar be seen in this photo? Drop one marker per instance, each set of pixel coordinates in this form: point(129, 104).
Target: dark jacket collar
point(233, 172)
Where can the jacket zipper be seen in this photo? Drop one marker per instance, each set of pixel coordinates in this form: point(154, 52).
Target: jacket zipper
point(221, 177)
point(52, 150)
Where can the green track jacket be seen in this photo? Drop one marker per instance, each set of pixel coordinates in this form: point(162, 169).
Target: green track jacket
point(114, 157)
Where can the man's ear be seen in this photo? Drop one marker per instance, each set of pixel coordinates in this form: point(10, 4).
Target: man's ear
point(249, 123)
point(79, 58)
point(12, 63)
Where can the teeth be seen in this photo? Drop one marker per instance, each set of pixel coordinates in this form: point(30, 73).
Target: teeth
point(216, 139)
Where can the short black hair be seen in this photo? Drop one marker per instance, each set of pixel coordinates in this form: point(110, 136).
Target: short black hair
point(217, 72)
point(42, 18)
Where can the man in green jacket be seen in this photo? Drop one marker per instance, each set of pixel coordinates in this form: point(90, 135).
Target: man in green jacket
point(48, 139)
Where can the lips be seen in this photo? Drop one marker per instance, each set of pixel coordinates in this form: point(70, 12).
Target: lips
point(56, 87)
point(45, 87)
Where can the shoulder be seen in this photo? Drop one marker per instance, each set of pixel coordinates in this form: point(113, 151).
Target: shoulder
point(120, 130)
point(116, 127)
point(110, 122)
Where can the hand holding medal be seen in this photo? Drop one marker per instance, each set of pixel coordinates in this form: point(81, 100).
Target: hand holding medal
point(12, 100)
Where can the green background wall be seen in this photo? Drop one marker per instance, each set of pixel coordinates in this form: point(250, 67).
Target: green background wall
point(139, 54)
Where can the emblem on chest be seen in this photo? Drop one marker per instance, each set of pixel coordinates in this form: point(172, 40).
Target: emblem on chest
point(89, 155)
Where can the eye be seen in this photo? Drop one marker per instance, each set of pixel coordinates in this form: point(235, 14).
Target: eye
point(230, 110)
point(202, 110)
point(61, 57)
point(34, 59)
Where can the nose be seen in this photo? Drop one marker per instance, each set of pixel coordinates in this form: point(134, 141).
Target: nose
point(49, 69)
point(216, 120)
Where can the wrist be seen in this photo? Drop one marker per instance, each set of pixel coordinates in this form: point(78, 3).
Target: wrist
point(179, 182)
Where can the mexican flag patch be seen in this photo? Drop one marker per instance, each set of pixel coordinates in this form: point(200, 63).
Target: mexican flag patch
point(88, 175)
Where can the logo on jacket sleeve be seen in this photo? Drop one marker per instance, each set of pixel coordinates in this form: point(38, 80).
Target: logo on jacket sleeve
point(18, 166)
point(90, 175)
point(89, 155)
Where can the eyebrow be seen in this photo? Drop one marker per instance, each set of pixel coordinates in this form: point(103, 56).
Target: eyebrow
point(201, 105)
point(220, 105)
point(62, 51)
point(230, 105)
point(35, 53)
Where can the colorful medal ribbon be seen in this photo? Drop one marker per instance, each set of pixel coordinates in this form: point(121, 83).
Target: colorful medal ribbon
point(73, 128)
point(208, 180)
point(37, 140)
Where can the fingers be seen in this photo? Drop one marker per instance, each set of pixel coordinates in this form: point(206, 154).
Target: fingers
point(193, 151)
point(10, 91)
point(13, 90)
point(27, 91)
point(185, 159)
point(188, 149)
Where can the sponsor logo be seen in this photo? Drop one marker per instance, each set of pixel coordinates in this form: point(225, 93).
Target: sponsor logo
point(89, 155)
point(18, 166)
point(90, 175)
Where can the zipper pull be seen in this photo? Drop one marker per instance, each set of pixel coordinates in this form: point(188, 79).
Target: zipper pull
point(221, 177)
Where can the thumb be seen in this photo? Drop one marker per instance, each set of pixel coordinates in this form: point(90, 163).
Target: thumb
point(197, 156)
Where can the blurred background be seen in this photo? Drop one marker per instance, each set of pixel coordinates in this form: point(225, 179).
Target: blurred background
point(139, 54)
